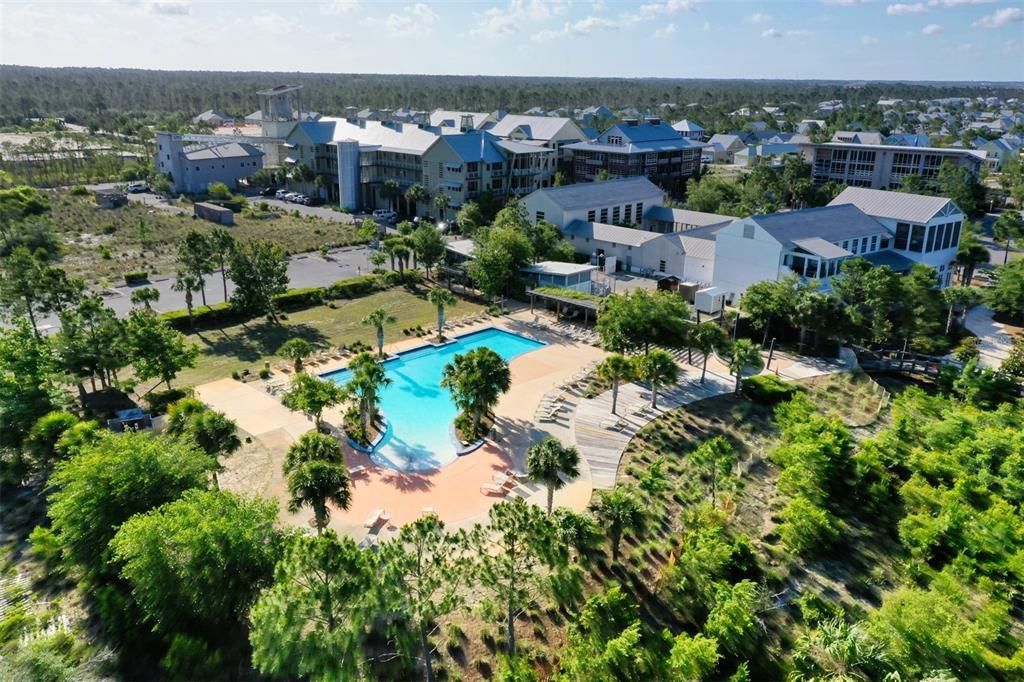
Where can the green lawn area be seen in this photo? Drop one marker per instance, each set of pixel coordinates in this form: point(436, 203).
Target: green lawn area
point(100, 244)
point(249, 345)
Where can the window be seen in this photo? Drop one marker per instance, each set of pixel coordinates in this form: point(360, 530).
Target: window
point(629, 248)
point(864, 245)
point(661, 266)
point(639, 210)
point(947, 238)
point(917, 238)
point(496, 183)
point(629, 213)
point(748, 231)
point(538, 216)
point(853, 246)
point(902, 236)
point(616, 214)
point(874, 243)
point(604, 215)
point(956, 235)
point(932, 231)
point(615, 139)
point(846, 245)
point(591, 215)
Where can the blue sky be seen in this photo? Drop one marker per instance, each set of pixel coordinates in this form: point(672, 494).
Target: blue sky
point(846, 39)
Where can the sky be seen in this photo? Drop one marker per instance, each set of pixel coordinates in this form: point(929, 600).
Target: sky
point(834, 39)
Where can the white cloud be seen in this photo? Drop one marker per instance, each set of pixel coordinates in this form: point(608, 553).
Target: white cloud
point(497, 21)
point(588, 25)
point(665, 32)
point(707, 27)
point(340, 7)
point(958, 3)
point(771, 33)
point(792, 33)
point(797, 33)
point(904, 10)
point(413, 19)
point(1002, 17)
point(759, 18)
point(651, 10)
point(171, 7)
point(932, 29)
point(868, 40)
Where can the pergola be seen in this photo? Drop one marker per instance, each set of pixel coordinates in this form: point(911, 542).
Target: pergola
point(586, 305)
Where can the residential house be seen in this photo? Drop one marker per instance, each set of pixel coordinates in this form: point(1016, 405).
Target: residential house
point(625, 202)
point(857, 137)
point(575, 276)
point(552, 132)
point(690, 130)
point(809, 126)
point(924, 229)
point(765, 154)
point(908, 140)
point(882, 166)
point(723, 147)
point(631, 149)
point(193, 168)
point(665, 219)
point(637, 251)
point(999, 151)
point(465, 121)
point(214, 118)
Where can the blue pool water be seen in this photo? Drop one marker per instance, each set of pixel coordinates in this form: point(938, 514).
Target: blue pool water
point(419, 412)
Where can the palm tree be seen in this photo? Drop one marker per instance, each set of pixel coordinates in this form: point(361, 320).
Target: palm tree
point(1009, 228)
point(836, 651)
point(311, 396)
point(415, 195)
point(616, 369)
point(659, 369)
point(368, 378)
point(222, 244)
point(401, 252)
point(316, 483)
point(547, 460)
point(377, 319)
point(476, 380)
point(389, 190)
point(970, 253)
point(187, 282)
point(441, 298)
point(147, 296)
point(377, 259)
point(441, 202)
point(217, 436)
point(953, 297)
point(707, 337)
point(743, 354)
point(621, 511)
point(312, 446)
point(296, 350)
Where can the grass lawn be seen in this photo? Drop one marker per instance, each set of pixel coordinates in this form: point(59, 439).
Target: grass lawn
point(249, 345)
point(100, 244)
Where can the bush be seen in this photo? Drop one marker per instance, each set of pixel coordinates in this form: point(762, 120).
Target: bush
point(767, 389)
point(264, 373)
point(297, 299)
point(807, 529)
point(158, 401)
point(217, 313)
point(356, 286)
point(137, 277)
point(79, 191)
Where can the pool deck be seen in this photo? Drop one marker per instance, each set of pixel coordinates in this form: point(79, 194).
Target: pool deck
point(452, 492)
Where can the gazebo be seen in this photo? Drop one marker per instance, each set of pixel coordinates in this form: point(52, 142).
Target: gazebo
point(567, 302)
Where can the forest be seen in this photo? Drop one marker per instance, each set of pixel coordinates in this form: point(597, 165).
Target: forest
point(98, 97)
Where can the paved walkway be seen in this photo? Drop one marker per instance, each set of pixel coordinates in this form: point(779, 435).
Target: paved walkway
point(996, 341)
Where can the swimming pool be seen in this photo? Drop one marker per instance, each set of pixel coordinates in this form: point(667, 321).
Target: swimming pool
point(420, 413)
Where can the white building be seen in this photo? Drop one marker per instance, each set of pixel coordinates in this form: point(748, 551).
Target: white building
point(623, 202)
point(552, 132)
point(924, 229)
point(634, 250)
point(575, 276)
point(193, 168)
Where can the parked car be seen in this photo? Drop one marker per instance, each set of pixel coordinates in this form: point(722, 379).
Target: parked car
point(308, 200)
point(138, 187)
point(268, 191)
point(290, 196)
point(281, 194)
point(385, 215)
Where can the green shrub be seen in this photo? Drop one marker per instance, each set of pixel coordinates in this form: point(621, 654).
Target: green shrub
point(158, 401)
point(137, 277)
point(45, 546)
point(79, 191)
point(218, 313)
point(297, 299)
point(264, 373)
point(767, 389)
point(807, 529)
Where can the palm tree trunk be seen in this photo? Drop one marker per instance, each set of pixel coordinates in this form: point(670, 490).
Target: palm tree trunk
point(380, 341)
point(224, 279)
point(428, 665)
point(704, 368)
point(551, 496)
point(738, 375)
point(654, 396)
point(949, 319)
point(511, 624)
point(440, 323)
point(615, 395)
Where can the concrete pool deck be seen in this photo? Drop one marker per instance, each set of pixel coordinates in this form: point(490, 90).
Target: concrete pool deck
point(452, 492)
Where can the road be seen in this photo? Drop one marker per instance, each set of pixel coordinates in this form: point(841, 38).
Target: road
point(304, 270)
point(995, 341)
point(996, 250)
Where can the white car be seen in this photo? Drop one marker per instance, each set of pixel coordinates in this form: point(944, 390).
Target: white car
point(385, 215)
point(280, 194)
point(137, 187)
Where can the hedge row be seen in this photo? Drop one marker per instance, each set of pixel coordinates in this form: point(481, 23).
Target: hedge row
point(294, 299)
point(767, 389)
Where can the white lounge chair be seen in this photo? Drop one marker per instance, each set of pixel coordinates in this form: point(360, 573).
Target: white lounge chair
point(356, 470)
point(376, 516)
point(492, 489)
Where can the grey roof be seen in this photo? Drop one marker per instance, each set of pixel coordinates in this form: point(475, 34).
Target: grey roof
point(231, 150)
point(687, 126)
point(524, 147)
point(462, 247)
point(550, 267)
point(610, 233)
point(441, 117)
point(822, 248)
point(534, 127)
point(211, 114)
point(916, 208)
point(385, 136)
point(696, 247)
point(896, 261)
point(830, 223)
point(725, 140)
point(591, 194)
point(687, 217)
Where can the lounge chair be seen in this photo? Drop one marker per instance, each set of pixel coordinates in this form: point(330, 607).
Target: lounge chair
point(285, 367)
point(492, 489)
point(376, 516)
point(356, 470)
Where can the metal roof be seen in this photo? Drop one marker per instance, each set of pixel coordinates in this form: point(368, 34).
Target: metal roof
point(475, 146)
point(441, 117)
point(830, 223)
point(641, 147)
point(821, 248)
point(687, 126)
point(610, 233)
point(896, 261)
point(688, 217)
point(916, 208)
point(550, 267)
point(594, 194)
point(231, 150)
point(534, 127)
point(696, 247)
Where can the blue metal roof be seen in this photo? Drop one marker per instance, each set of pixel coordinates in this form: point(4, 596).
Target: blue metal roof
point(477, 146)
point(898, 262)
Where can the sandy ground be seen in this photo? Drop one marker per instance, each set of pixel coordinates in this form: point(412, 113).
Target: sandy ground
point(453, 492)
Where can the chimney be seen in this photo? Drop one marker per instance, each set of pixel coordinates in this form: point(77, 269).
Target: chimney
point(350, 114)
point(466, 125)
point(654, 121)
point(631, 122)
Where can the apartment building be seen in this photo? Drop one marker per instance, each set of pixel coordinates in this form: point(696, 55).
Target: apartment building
point(463, 166)
point(882, 166)
point(553, 132)
point(194, 167)
point(624, 202)
point(651, 149)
